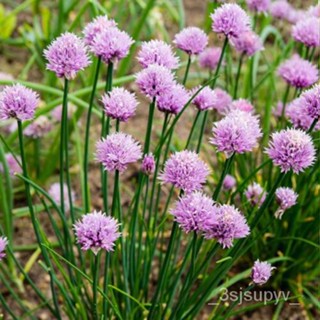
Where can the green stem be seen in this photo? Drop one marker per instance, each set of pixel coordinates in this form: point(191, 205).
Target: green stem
point(105, 131)
point(34, 219)
point(225, 171)
point(194, 125)
point(163, 272)
point(187, 70)
point(238, 76)
point(314, 123)
point(205, 118)
point(95, 282)
point(86, 143)
point(284, 101)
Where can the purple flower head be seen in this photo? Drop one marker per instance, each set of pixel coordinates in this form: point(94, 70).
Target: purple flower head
point(157, 52)
point(97, 231)
point(247, 43)
point(193, 211)
point(314, 11)
point(66, 56)
point(311, 100)
point(223, 101)
point(148, 164)
point(280, 9)
point(242, 105)
point(307, 31)
point(286, 198)
point(231, 20)
point(95, 27)
point(56, 113)
point(3, 245)
point(155, 81)
point(255, 194)
point(185, 170)
point(18, 102)
point(277, 110)
point(258, 5)
point(117, 150)
point(209, 58)
point(237, 132)
point(297, 112)
point(261, 272)
point(206, 99)
point(13, 165)
point(226, 225)
point(119, 104)
point(298, 72)
point(54, 192)
point(111, 44)
point(174, 100)
point(191, 40)
point(295, 15)
point(291, 149)
point(229, 182)
point(38, 128)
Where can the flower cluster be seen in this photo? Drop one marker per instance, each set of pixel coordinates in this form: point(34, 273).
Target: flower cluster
point(18, 102)
point(117, 150)
point(238, 132)
point(210, 57)
point(307, 32)
point(298, 72)
point(291, 149)
point(66, 56)
point(247, 43)
point(3, 245)
point(38, 128)
point(255, 194)
point(96, 231)
point(119, 104)
point(148, 164)
point(55, 192)
point(286, 198)
point(261, 272)
point(13, 165)
point(206, 99)
point(185, 170)
point(226, 225)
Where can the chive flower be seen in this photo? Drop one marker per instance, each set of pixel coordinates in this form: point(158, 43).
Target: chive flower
point(66, 56)
point(18, 102)
point(242, 105)
point(56, 113)
point(111, 44)
point(298, 72)
point(311, 101)
point(117, 151)
point(237, 132)
point(3, 245)
point(13, 165)
point(258, 6)
point(96, 231)
point(38, 127)
point(209, 58)
point(119, 104)
point(191, 40)
point(174, 100)
point(291, 149)
point(279, 9)
point(54, 192)
point(261, 272)
point(247, 43)
point(231, 20)
point(185, 170)
point(307, 31)
point(223, 101)
point(286, 198)
point(205, 100)
point(95, 27)
point(157, 52)
point(226, 225)
point(148, 164)
point(193, 211)
point(298, 113)
point(155, 81)
point(255, 194)
point(229, 182)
